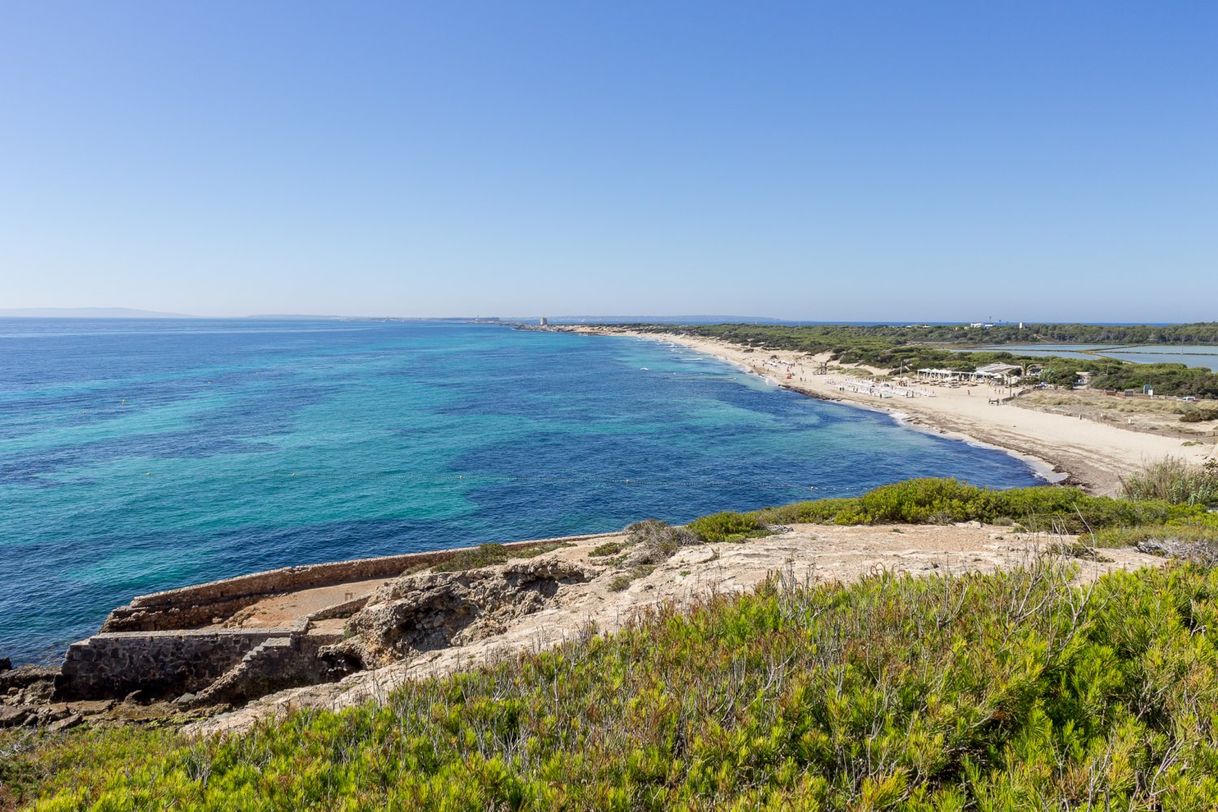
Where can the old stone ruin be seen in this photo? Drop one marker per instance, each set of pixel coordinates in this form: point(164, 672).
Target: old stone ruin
point(194, 651)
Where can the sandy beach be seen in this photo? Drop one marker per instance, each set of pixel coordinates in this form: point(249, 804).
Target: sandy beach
point(1060, 447)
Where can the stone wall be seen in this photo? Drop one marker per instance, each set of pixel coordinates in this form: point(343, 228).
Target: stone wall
point(274, 665)
point(195, 606)
point(161, 664)
point(158, 644)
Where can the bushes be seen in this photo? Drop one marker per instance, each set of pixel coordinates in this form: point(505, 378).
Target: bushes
point(653, 542)
point(728, 526)
point(1172, 534)
point(1004, 691)
point(939, 501)
point(1173, 480)
point(607, 549)
point(487, 555)
point(1198, 415)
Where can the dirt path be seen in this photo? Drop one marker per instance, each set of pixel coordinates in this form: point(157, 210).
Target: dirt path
point(278, 611)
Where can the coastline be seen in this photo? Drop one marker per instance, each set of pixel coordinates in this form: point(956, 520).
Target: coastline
point(1057, 447)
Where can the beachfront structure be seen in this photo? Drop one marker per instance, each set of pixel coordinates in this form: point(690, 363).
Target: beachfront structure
point(999, 372)
point(945, 375)
point(990, 373)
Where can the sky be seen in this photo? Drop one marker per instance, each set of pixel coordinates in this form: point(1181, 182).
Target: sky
point(815, 160)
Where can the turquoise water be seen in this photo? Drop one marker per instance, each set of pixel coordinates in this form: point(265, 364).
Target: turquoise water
point(143, 455)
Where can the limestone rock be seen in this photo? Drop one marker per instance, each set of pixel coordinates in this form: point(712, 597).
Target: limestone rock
point(417, 613)
point(13, 716)
point(71, 720)
point(1196, 552)
point(91, 707)
point(26, 675)
point(27, 684)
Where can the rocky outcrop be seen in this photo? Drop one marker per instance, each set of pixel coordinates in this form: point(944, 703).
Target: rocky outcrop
point(208, 604)
point(1200, 552)
point(418, 613)
point(26, 685)
point(186, 653)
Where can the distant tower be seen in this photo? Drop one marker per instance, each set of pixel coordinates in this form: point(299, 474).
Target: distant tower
point(543, 322)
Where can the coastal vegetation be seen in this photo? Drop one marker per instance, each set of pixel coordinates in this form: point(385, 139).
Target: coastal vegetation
point(486, 555)
point(913, 347)
point(728, 526)
point(1009, 690)
point(971, 335)
point(1198, 415)
point(1003, 691)
point(1174, 480)
point(1197, 541)
point(942, 501)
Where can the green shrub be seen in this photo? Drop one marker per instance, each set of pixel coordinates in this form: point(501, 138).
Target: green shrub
point(607, 549)
point(1199, 415)
point(728, 526)
point(937, 501)
point(820, 511)
point(620, 582)
point(1174, 480)
point(623, 580)
point(487, 555)
point(653, 542)
point(1012, 690)
point(1130, 536)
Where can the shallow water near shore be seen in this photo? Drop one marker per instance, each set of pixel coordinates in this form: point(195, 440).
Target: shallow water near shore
point(144, 455)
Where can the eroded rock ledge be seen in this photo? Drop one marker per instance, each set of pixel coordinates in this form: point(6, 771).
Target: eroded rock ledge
point(225, 654)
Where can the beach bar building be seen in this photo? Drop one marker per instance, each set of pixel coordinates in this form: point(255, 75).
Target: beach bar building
point(990, 373)
point(1003, 373)
point(943, 375)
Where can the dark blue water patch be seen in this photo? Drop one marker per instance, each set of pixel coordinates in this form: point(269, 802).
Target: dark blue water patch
point(245, 446)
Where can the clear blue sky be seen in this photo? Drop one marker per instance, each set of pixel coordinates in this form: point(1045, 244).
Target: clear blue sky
point(844, 160)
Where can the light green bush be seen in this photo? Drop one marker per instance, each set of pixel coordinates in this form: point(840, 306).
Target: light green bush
point(1174, 480)
point(728, 526)
point(1013, 690)
point(930, 501)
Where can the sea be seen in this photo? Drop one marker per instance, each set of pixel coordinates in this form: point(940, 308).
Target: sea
point(142, 455)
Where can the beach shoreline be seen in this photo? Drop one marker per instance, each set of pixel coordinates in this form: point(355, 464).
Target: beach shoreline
point(1057, 447)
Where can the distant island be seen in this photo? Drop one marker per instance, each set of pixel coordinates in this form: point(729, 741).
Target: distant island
point(87, 313)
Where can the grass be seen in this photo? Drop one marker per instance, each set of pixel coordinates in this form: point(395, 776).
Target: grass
point(487, 555)
point(1011, 690)
point(1174, 480)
